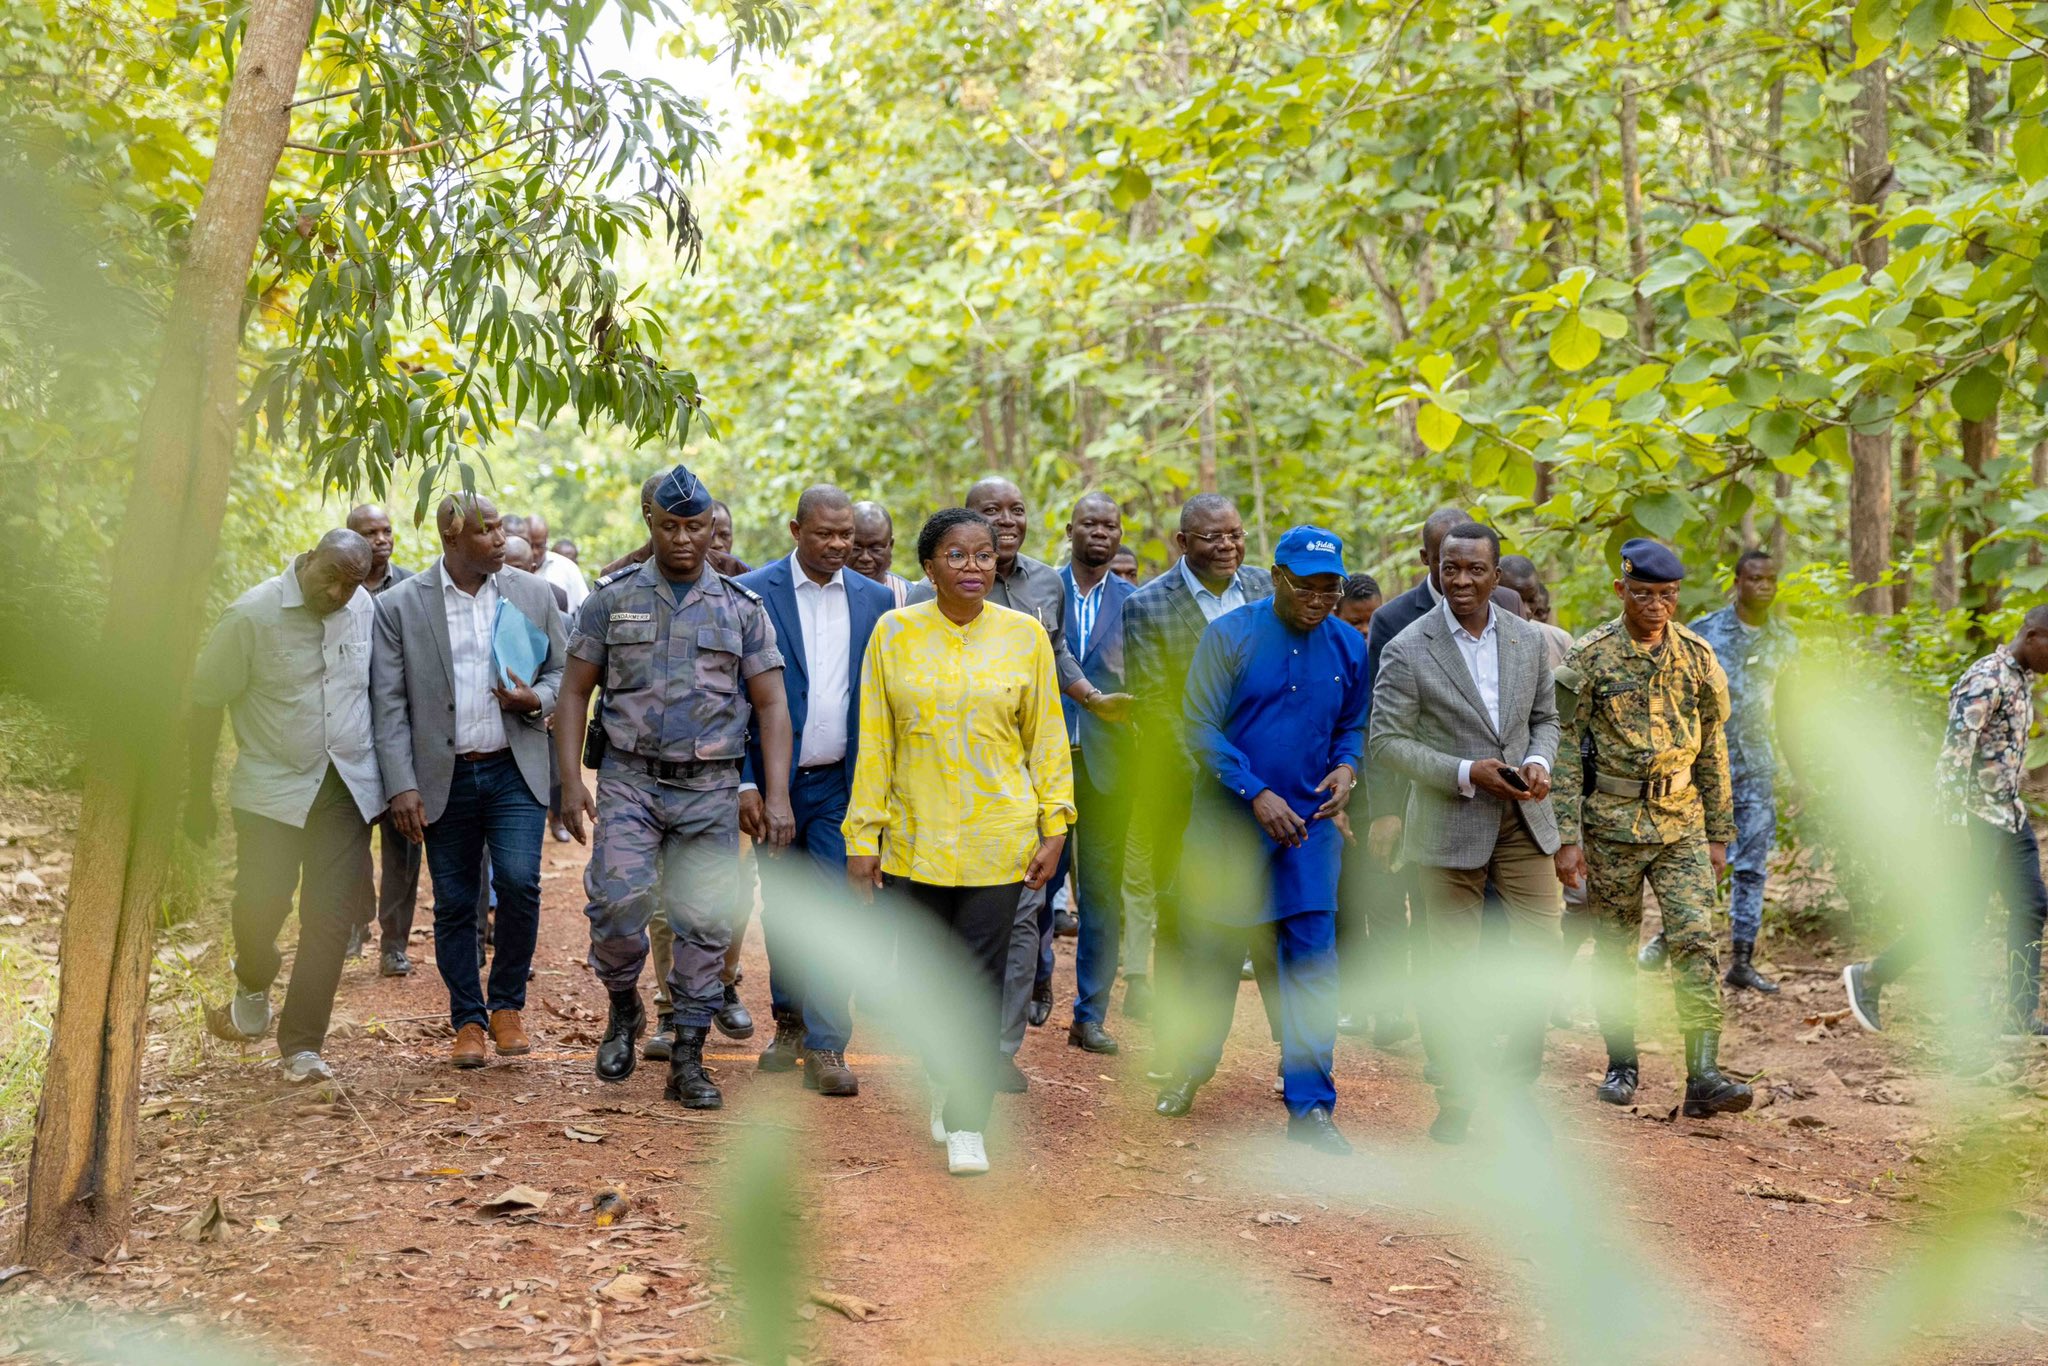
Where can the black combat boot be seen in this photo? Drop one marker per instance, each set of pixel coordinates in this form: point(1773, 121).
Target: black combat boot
point(662, 1041)
point(688, 1083)
point(616, 1056)
point(1742, 971)
point(1623, 1069)
point(1652, 956)
point(1708, 1091)
point(786, 1050)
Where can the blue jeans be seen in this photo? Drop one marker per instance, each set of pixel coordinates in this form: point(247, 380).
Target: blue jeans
point(1756, 826)
point(1042, 981)
point(2014, 858)
point(1305, 953)
point(1103, 829)
point(489, 808)
point(817, 797)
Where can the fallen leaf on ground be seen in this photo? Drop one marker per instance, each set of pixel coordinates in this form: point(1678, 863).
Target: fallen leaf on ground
point(1807, 1122)
point(1827, 1017)
point(627, 1287)
point(1274, 1218)
point(1771, 1190)
point(516, 1200)
point(859, 1310)
point(1885, 1095)
point(267, 1223)
point(210, 1225)
point(584, 1135)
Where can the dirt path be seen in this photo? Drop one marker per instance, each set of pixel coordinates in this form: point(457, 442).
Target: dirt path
point(354, 1231)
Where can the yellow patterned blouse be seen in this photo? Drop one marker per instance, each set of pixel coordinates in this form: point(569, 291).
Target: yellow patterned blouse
point(963, 754)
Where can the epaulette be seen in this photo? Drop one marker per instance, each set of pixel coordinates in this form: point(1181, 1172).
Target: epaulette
point(1598, 633)
point(739, 587)
point(1680, 631)
point(607, 580)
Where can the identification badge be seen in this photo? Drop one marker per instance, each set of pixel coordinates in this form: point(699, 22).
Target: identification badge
point(632, 616)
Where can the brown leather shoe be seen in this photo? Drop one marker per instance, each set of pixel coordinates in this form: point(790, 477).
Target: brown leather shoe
point(469, 1046)
point(509, 1034)
point(826, 1072)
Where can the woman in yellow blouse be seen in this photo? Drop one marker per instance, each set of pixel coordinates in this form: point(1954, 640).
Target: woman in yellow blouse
point(963, 791)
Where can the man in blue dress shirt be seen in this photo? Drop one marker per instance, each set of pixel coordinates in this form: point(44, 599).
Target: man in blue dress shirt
point(1276, 709)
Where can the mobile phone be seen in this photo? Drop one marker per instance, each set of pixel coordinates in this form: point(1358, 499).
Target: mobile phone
point(1513, 779)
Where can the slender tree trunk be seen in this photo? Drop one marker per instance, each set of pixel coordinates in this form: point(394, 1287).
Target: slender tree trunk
point(1781, 494)
point(1905, 519)
point(1632, 178)
point(81, 1173)
point(1254, 458)
point(1870, 454)
point(1978, 437)
point(1205, 389)
point(1009, 409)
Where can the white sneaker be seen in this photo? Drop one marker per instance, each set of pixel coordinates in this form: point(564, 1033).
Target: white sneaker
point(249, 1012)
point(965, 1155)
point(939, 1118)
point(304, 1067)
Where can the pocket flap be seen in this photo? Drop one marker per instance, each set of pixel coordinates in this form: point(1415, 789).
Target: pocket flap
point(718, 638)
point(629, 633)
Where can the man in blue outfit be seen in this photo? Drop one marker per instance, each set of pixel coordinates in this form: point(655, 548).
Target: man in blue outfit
point(1754, 648)
point(1276, 710)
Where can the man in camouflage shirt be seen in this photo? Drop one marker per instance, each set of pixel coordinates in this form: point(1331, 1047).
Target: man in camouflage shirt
point(686, 657)
point(1983, 759)
point(1653, 699)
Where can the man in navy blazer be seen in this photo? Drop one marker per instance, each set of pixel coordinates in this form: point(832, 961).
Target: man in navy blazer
point(1094, 629)
point(823, 615)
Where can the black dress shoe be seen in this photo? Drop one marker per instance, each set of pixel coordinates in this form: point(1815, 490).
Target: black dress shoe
point(1177, 1097)
point(1065, 924)
point(394, 963)
point(1618, 1087)
point(1010, 1078)
point(1041, 1005)
point(1090, 1036)
point(732, 1018)
point(1137, 997)
point(1318, 1131)
point(616, 1055)
point(1450, 1123)
point(662, 1041)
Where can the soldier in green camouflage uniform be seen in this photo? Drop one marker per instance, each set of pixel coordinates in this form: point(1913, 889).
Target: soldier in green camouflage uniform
point(1651, 803)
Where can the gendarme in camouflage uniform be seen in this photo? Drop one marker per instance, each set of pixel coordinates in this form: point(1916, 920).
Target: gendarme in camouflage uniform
point(675, 660)
point(1655, 717)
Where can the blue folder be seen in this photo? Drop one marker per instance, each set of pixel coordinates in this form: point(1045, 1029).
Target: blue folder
point(517, 646)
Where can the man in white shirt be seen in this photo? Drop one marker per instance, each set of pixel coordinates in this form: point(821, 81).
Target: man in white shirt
point(1465, 712)
point(823, 614)
point(557, 569)
point(290, 659)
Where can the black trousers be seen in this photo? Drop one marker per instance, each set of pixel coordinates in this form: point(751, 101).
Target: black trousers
point(980, 919)
point(2014, 858)
point(327, 861)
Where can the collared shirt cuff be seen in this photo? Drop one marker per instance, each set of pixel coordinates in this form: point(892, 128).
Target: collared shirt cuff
point(1537, 759)
point(750, 787)
point(1465, 788)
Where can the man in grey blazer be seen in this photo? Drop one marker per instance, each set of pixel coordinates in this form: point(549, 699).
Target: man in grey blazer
point(1465, 711)
point(463, 749)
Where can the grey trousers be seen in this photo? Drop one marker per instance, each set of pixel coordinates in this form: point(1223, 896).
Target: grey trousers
point(1020, 968)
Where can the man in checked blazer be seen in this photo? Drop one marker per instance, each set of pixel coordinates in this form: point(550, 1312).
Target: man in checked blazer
point(1465, 711)
point(1163, 622)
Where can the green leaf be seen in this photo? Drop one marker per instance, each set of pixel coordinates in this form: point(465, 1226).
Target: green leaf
point(1605, 321)
point(1132, 187)
point(1754, 387)
point(1705, 238)
point(1926, 24)
point(1573, 345)
point(1977, 392)
point(1775, 434)
point(1640, 380)
point(1661, 514)
point(2039, 274)
point(1434, 369)
point(1874, 23)
point(2030, 150)
point(1315, 300)
point(1438, 427)
point(1709, 298)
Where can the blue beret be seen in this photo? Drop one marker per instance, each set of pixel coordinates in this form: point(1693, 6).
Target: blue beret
point(1645, 561)
point(683, 494)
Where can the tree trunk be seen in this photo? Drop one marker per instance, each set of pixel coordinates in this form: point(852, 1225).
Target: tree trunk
point(1905, 519)
point(1205, 387)
point(1253, 458)
point(1632, 180)
point(1979, 437)
point(1870, 454)
point(1781, 494)
point(81, 1173)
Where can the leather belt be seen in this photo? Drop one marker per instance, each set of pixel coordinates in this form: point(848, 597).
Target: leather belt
point(1633, 787)
point(477, 756)
point(663, 769)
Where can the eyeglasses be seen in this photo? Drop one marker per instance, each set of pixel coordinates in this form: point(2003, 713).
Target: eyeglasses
point(1311, 596)
point(1646, 596)
point(957, 558)
point(1217, 537)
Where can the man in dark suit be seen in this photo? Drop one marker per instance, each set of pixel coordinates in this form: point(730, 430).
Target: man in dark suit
point(1163, 622)
point(398, 858)
point(463, 748)
point(1094, 628)
point(823, 615)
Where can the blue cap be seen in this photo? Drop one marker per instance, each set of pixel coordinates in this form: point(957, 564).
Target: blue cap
point(682, 494)
point(1306, 550)
point(1645, 561)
